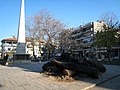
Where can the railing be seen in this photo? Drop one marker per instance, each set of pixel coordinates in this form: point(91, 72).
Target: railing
point(9, 45)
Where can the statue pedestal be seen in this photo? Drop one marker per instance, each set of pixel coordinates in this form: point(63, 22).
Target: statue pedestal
point(21, 57)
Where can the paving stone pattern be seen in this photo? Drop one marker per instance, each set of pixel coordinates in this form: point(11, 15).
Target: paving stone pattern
point(28, 77)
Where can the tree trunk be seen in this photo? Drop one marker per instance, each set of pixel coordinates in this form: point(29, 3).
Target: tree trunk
point(34, 52)
point(49, 53)
point(109, 50)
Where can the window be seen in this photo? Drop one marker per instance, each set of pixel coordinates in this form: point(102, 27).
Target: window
point(9, 49)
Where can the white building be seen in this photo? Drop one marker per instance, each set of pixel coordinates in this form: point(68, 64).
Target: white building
point(9, 46)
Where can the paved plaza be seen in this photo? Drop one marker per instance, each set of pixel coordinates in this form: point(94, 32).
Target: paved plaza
point(28, 77)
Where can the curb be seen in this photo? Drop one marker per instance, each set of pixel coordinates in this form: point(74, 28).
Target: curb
point(93, 85)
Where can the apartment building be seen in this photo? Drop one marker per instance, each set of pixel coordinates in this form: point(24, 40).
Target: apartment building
point(84, 35)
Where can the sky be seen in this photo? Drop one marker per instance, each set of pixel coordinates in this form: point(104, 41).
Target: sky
point(71, 12)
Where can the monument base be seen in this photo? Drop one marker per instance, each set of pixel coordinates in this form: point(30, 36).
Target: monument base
point(21, 57)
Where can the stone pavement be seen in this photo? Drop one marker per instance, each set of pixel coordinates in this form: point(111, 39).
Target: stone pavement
point(27, 77)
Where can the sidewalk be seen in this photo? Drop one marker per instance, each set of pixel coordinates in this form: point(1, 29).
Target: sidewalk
point(27, 77)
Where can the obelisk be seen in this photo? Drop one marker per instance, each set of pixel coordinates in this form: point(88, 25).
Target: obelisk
point(21, 42)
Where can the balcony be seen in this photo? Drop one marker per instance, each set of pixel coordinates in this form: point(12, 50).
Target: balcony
point(9, 45)
point(86, 44)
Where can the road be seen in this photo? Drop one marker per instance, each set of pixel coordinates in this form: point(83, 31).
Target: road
point(112, 84)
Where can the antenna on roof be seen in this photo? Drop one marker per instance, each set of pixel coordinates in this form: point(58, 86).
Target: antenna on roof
point(13, 36)
point(83, 23)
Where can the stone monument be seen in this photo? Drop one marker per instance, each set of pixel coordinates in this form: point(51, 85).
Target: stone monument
point(21, 42)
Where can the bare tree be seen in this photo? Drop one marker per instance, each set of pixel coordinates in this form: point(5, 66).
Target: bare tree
point(111, 19)
point(31, 33)
point(44, 25)
point(66, 41)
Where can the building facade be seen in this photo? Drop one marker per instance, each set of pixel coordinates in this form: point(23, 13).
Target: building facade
point(9, 46)
point(84, 35)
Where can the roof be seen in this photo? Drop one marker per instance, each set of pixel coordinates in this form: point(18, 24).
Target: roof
point(14, 39)
point(9, 39)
